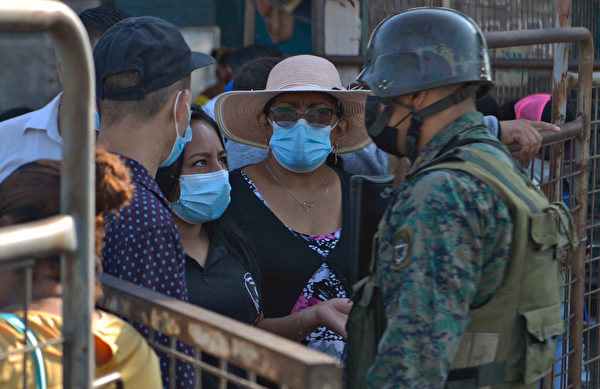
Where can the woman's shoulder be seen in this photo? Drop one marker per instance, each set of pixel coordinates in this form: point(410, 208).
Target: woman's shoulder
point(131, 354)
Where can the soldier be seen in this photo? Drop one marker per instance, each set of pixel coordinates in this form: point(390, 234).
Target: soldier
point(454, 296)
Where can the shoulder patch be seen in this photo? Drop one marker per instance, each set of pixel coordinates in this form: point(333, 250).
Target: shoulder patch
point(402, 248)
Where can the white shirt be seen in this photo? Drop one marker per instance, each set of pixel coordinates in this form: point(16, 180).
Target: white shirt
point(30, 137)
point(209, 107)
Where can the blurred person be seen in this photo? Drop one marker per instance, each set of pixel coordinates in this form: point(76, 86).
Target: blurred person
point(293, 207)
point(236, 61)
point(30, 193)
point(143, 68)
point(279, 16)
point(223, 73)
point(538, 107)
point(252, 76)
point(37, 134)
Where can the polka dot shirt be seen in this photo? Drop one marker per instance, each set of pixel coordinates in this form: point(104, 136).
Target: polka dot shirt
point(142, 245)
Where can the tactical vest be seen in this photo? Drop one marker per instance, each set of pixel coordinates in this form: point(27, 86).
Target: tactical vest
point(510, 340)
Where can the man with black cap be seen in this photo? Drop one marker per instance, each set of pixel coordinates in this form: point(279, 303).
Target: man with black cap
point(143, 68)
point(464, 278)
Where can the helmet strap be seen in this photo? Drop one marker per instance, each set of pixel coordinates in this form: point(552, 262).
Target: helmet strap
point(414, 131)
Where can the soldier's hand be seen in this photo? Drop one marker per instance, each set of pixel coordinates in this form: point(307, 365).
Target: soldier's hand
point(333, 314)
point(526, 134)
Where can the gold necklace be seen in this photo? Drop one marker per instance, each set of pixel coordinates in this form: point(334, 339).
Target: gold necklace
point(306, 206)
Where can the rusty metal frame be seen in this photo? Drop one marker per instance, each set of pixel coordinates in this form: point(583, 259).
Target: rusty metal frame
point(282, 361)
point(583, 37)
point(318, 27)
point(77, 180)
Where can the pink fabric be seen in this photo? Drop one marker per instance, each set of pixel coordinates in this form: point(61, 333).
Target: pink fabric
point(326, 236)
point(532, 106)
point(303, 303)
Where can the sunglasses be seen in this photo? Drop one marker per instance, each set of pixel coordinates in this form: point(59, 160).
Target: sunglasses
point(287, 117)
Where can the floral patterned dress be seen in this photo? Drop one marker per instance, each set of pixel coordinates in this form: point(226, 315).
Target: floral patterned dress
point(321, 286)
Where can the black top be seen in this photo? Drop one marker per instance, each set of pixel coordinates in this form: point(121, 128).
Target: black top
point(286, 263)
point(226, 284)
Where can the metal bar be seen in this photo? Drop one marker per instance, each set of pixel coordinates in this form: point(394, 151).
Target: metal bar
point(579, 195)
point(497, 63)
point(534, 63)
point(318, 26)
point(77, 183)
point(558, 111)
point(275, 358)
point(249, 22)
point(538, 36)
point(25, 348)
point(51, 236)
point(574, 77)
point(559, 93)
point(364, 26)
point(112, 378)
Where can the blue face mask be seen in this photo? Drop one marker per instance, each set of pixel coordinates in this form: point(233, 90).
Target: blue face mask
point(300, 148)
point(180, 141)
point(203, 197)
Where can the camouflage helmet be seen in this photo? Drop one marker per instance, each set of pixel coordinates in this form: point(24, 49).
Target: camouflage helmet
point(424, 48)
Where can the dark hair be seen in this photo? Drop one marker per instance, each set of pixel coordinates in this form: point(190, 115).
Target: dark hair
point(489, 106)
point(14, 112)
point(508, 110)
point(254, 75)
point(221, 55)
point(242, 56)
point(167, 177)
point(200, 114)
point(98, 20)
point(32, 192)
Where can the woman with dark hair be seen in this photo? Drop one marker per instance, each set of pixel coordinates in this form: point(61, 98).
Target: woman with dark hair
point(220, 269)
point(30, 193)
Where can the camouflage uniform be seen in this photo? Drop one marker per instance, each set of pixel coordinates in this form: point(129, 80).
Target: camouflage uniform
point(444, 245)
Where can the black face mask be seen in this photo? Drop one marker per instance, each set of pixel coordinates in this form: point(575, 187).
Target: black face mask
point(384, 136)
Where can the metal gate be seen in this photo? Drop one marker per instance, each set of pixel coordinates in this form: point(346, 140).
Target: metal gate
point(70, 234)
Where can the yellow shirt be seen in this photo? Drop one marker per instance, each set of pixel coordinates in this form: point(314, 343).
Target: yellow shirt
point(124, 348)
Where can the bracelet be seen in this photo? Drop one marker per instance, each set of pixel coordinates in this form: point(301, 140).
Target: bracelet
point(302, 335)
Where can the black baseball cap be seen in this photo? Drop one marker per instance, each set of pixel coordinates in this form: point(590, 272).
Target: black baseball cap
point(150, 45)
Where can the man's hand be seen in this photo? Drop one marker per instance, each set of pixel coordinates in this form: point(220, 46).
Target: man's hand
point(526, 134)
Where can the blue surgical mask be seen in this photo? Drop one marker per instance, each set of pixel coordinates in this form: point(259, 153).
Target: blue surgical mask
point(180, 141)
point(300, 148)
point(203, 197)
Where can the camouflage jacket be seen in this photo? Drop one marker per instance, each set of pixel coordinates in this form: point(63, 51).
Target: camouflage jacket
point(444, 243)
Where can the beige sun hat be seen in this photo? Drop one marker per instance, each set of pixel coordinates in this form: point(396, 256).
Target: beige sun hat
point(237, 112)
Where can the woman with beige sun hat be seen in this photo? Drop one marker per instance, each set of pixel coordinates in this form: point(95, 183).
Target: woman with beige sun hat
point(293, 206)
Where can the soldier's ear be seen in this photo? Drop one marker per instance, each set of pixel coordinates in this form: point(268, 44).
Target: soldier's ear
point(419, 100)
